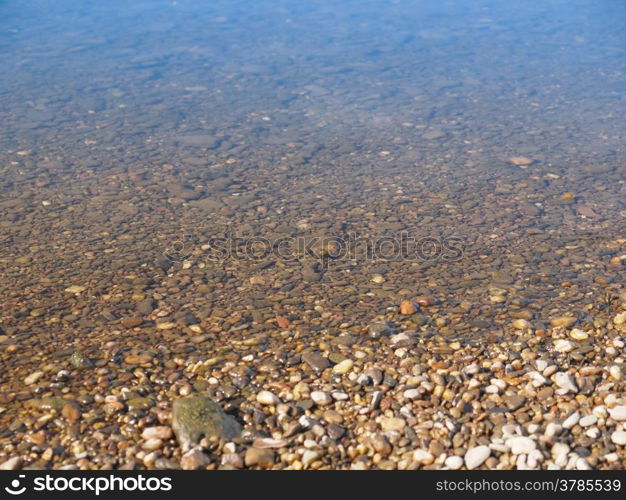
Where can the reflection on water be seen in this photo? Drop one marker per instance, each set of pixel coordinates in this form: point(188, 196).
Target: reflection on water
point(127, 126)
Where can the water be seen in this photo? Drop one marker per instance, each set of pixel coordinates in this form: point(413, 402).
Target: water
point(137, 131)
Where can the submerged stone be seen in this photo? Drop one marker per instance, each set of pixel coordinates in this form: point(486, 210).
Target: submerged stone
point(196, 417)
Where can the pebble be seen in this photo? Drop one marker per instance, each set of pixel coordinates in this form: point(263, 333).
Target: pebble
point(578, 334)
point(515, 401)
point(344, 367)
point(157, 432)
point(521, 445)
point(260, 457)
point(13, 463)
point(563, 345)
point(310, 456)
point(588, 420)
point(196, 417)
point(474, 457)
point(454, 463)
point(521, 324)
point(392, 424)
point(566, 382)
point(423, 457)
point(618, 413)
point(267, 398)
point(315, 361)
point(269, 443)
point(193, 460)
point(563, 321)
point(619, 438)
point(571, 420)
point(520, 161)
point(321, 398)
point(33, 378)
point(379, 329)
point(407, 307)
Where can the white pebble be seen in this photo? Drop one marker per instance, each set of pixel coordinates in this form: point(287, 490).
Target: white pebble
point(267, 398)
point(521, 445)
point(321, 398)
point(618, 413)
point(454, 463)
point(33, 377)
point(588, 420)
point(571, 421)
point(564, 345)
point(619, 438)
point(566, 382)
point(476, 456)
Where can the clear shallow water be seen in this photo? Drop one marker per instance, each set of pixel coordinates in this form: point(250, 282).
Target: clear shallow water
point(287, 118)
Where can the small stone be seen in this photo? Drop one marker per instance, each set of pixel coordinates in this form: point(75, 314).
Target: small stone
point(310, 456)
point(514, 401)
point(166, 325)
point(476, 456)
point(571, 420)
point(321, 398)
point(563, 345)
point(282, 322)
point(270, 443)
point(193, 460)
point(13, 463)
point(618, 413)
point(588, 420)
point(578, 334)
point(75, 289)
point(392, 423)
point(267, 398)
point(71, 412)
point(80, 361)
point(521, 324)
point(157, 432)
point(566, 382)
point(33, 378)
point(620, 319)
point(131, 322)
point(344, 367)
point(260, 457)
point(616, 372)
point(564, 321)
point(315, 361)
point(619, 438)
point(521, 445)
point(378, 279)
point(402, 339)
point(423, 457)
point(232, 460)
point(520, 161)
point(407, 307)
point(454, 463)
point(379, 329)
point(138, 359)
point(196, 417)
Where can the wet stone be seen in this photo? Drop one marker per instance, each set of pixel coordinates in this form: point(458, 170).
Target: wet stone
point(196, 417)
point(315, 361)
point(80, 361)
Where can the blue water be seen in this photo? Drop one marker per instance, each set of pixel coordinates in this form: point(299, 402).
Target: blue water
point(382, 115)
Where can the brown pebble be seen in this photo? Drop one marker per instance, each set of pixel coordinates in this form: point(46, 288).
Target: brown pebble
point(70, 412)
point(407, 307)
point(259, 457)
